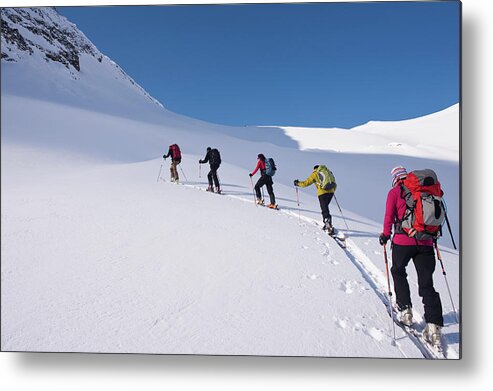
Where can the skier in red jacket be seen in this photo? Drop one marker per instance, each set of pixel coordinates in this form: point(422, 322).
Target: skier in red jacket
point(264, 180)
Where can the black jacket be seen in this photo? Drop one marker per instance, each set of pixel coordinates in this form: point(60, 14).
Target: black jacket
point(209, 158)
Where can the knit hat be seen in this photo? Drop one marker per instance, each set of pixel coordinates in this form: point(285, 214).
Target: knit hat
point(398, 173)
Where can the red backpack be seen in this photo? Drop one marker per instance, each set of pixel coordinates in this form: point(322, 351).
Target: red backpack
point(424, 208)
point(175, 151)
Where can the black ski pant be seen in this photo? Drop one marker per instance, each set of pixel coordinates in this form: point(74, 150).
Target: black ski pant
point(212, 175)
point(424, 262)
point(267, 181)
point(324, 200)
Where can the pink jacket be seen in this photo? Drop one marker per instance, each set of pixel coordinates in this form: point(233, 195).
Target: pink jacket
point(394, 211)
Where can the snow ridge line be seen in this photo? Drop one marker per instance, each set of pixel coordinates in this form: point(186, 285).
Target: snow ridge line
point(372, 275)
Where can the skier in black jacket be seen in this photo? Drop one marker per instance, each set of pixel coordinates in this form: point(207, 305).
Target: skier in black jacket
point(214, 158)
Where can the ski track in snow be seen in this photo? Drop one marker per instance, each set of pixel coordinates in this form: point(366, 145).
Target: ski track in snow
point(370, 273)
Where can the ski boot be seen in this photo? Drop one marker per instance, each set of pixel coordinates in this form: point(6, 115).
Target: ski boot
point(328, 227)
point(433, 335)
point(406, 316)
point(272, 206)
point(260, 202)
point(211, 189)
point(218, 190)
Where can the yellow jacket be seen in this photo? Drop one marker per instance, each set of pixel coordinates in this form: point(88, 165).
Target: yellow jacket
point(313, 179)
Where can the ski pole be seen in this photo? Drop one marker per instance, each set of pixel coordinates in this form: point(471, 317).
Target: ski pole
point(253, 190)
point(448, 225)
point(446, 280)
point(340, 210)
point(450, 231)
point(159, 175)
point(200, 169)
point(263, 196)
point(298, 201)
point(183, 173)
point(391, 313)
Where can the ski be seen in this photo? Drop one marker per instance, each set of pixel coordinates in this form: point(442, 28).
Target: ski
point(192, 186)
point(267, 206)
point(435, 351)
point(338, 237)
point(170, 181)
point(428, 350)
point(208, 191)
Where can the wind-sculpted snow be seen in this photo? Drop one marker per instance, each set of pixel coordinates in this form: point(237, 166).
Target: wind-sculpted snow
point(435, 136)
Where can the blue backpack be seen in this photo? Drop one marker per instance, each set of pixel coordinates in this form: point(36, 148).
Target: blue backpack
point(270, 167)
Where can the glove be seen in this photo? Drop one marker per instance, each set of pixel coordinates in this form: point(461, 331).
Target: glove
point(383, 239)
point(164, 157)
point(200, 161)
point(296, 182)
point(250, 175)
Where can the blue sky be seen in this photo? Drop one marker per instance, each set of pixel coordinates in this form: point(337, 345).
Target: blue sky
point(331, 64)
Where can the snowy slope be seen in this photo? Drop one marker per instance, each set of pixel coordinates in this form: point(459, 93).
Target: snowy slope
point(433, 136)
point(100, 255)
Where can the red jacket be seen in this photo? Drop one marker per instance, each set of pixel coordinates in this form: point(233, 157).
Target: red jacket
point(394, 211)
point(260, 165)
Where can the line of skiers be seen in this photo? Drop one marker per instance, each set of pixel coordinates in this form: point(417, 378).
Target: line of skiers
point(414, 235)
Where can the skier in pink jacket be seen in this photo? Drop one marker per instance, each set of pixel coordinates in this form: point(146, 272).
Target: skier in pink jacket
point(405, 248)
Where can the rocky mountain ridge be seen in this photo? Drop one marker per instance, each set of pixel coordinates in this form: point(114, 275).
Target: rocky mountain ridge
point(42, 32)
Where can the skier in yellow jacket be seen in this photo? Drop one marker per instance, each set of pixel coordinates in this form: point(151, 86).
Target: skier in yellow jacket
point(326, 186)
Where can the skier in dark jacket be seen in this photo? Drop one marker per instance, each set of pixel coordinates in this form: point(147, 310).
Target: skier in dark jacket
point(405, 248)
point(264, 180)
point(175, 154)
point(214, 158)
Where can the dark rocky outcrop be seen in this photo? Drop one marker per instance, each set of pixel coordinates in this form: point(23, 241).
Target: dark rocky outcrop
point(65, 43)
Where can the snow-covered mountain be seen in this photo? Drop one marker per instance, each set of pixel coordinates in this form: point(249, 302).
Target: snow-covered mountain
point(33, 34)
point(100, 254)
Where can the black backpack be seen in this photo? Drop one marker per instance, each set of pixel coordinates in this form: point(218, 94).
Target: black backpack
point(215, 157)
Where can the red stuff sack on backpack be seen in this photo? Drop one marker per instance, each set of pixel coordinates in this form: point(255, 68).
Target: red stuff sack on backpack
point(425, 211)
